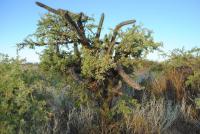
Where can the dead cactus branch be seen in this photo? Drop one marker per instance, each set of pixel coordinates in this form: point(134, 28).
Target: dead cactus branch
point(100, 26)
point(127, 78)
point(65, 14)
point(115, 32)
point(80, 33)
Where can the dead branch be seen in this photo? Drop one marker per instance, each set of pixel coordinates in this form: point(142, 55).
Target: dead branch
point(80, 23)
point(76, 51)
point(58, 11)
point(127, 78)
point(115, 32)
point(47, 8)
point(65, 14)
point(83, 39)
point(100, 26)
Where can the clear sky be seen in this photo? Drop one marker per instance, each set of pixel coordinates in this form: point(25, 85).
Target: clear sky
point(175, 22)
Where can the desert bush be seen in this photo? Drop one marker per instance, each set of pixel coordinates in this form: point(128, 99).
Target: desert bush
point(20, 110)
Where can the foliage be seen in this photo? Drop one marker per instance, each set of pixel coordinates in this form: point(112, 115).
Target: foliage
point(21, 110)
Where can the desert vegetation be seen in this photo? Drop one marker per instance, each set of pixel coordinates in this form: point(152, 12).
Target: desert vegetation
point(89, 83)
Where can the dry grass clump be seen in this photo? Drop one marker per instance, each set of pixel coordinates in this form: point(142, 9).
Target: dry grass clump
point(161, 116)
point(173, 83)
point(154, 117)
point(81, 121)
point(177, 79)
point(158, 85)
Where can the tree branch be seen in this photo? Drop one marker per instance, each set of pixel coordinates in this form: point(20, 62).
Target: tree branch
point(47, 8)
point(84, 17)
point(65, 14)
point(100, 26)
point(80, 23)
point(115, 32)
point(119, 26)
point(27, 42)
point(127, 79)
point(76, 51)
point(82, 37)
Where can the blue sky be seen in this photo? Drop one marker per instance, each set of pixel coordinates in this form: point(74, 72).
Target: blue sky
point(174, 22)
